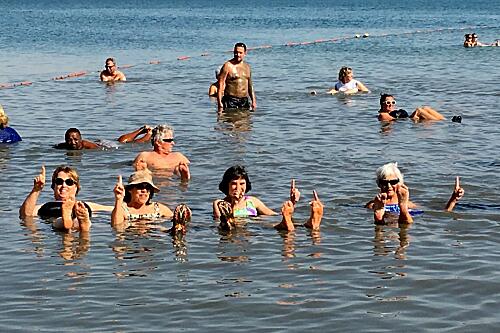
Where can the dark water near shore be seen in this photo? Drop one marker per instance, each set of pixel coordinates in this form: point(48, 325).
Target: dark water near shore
point(438, 275)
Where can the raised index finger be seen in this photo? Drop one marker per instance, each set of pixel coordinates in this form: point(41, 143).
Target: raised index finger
point(120, 180)
point(42, 172)
point(457, 182)
point(292, 185)
point(315, 195)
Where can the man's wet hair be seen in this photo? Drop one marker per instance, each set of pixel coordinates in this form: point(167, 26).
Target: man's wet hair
point(239, 44)
point(71, 130)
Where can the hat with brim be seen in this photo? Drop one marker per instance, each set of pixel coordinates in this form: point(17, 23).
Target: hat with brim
point(142, 176)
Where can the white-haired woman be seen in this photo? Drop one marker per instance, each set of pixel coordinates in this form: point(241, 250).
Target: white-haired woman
point(394, 195)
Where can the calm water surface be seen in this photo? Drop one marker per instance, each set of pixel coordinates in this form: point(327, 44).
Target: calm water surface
point(440, 274)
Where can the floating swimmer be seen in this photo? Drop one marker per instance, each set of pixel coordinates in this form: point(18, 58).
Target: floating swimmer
point(388, 111)
point(73, 139)
point(347, 84)
point(7, 134)
point(394, 196)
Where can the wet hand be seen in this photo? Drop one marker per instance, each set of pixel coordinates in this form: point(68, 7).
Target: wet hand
point(403, 194)
point(119, 189)
point(39, 181)
point(379, 201)
point(458, 192)
point(294, 193)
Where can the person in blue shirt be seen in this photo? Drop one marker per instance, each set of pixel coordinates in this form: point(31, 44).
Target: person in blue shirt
point(7, 134)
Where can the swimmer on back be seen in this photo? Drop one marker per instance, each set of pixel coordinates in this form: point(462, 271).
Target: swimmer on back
point(347, 84)
point(388, 111)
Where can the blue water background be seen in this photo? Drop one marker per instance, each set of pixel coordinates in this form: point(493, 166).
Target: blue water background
point(438, 275)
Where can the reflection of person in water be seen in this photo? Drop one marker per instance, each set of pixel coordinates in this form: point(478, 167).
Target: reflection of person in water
point(7, 134)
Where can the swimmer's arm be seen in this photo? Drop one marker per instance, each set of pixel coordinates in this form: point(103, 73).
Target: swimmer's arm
point(262, 209)
point(103, 76)
point(251, 92)
point(140, 161)
point(215, 209)
point(131, 137)
point(29, 206)
point(165, 211)
point(98, 207)
point(384, 116)
point(222, 85)
point(362, 87)
point(61, 145)
point(89, 144)
point(121, 77)
point(456, 195)
point(118, 214)
point(332, 91)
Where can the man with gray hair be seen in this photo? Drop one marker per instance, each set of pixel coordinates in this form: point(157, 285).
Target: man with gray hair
point(162, 157)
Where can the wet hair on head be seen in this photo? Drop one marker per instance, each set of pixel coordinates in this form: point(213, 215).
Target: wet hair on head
point(240, 44)
point(389, 169)
point(234, 172)
point(71, 130)
point(111, 59)
point(73, 174)
point(344, 71)
point(159, 133)
point(383, 97)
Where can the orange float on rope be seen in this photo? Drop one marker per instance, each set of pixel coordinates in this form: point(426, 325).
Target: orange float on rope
point(154, 62)
point(74, 74)
point(183, 58)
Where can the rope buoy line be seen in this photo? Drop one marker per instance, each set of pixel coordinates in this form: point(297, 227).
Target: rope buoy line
point(288, 44)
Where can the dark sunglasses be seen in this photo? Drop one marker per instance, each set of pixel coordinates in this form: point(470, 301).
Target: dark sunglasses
point(390, 102)
point(60, 181)
point(168, 140)
point(142, 186)
point(386, 182)
point(108, 67)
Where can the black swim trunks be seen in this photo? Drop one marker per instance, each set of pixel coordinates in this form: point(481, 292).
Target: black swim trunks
point(232, 102)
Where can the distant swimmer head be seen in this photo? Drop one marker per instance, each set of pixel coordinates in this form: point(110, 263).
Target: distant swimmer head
point(4, 120)
point(73, 139)
point(110, 65)
point(366, 35)
point(345, 74)
point(387, 103)
point(162, 134)
point(457, 119)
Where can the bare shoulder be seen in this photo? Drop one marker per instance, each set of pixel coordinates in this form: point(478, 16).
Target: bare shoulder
point(180, 157)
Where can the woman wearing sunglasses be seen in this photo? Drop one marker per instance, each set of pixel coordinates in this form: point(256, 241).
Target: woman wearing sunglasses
point(388, 111)
point(66, 212)
point(394, 196)
point(133, 202)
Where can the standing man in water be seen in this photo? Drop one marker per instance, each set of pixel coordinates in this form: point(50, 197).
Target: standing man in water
point(111, 73)
point(235, 82)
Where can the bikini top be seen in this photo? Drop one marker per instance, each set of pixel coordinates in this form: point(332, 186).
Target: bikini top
point(53, 209)
point(156, 214)
point(394, 208)
point(9, 135)
point(248, 210)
